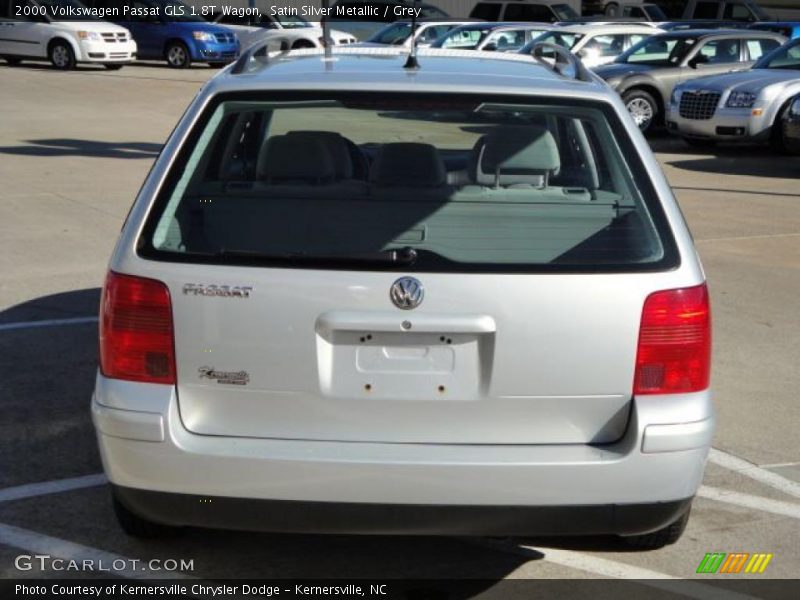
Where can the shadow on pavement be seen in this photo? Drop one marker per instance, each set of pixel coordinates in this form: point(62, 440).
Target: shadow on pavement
point(91, 148)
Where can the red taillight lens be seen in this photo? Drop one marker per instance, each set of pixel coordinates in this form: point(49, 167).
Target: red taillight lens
point(136, 340)
point(674, 354)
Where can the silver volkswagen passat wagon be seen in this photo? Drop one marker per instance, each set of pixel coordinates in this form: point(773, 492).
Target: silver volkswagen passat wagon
point(453, 299)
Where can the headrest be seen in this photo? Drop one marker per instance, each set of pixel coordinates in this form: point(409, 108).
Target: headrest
point(512, 155)
point(409, 165)
point(295, 158)
point(337, 148)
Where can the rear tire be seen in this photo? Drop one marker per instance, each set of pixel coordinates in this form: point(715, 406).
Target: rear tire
point(139, 527)
point(177, 55)
point(663, 537)
point(642, 107)
point(61, 55)
point(112, 66)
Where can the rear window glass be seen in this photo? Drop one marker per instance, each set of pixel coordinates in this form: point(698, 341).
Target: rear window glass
point(412, 183)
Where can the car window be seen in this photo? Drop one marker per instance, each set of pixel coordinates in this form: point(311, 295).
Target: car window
point(397, 33)
point(434, 32)
point(737, 12)
point(604, 45)
point(787, 57)
point(635, 38)
point(464, 39)
point(460, 183)
point(706, 10)
point(561, 38)
point(721, 51)
point(8, 11)
point(634, 12)
point(658, 51)
point(758, 48)
point(528, 12)
point(507, 39)
point(565, 12)
point(486, 11)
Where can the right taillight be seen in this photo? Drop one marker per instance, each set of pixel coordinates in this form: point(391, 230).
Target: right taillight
point(674, 352)
point(136, 341)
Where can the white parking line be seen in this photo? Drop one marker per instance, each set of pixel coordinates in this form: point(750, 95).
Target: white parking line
point(753, 471)
point(776, 507)
point(47, 323)
point(618, 570)
point(44, 488)
point(38, 543)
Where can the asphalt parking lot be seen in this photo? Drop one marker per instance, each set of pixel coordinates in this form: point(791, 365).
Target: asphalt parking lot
point(74, 149)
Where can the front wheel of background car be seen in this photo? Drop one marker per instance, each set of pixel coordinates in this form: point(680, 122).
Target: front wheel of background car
point(663, 537)
point(777, 138)
point(178, 56)
point(136, 526)
point(61, 55)
point(642, 107)
point(112, 67)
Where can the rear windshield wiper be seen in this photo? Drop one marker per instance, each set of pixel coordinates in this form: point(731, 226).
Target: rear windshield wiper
point(399, 256)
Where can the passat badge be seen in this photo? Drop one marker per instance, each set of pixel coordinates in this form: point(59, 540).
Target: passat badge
point(407, 293)
point(226, 377)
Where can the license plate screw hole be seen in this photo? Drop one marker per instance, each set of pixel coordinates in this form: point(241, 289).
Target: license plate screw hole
point(441, 389)
point(368, 387)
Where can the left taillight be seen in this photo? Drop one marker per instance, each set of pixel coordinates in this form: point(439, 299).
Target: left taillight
point(136, 334)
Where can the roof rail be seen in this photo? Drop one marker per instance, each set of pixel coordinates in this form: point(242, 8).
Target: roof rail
point(560, 60)
point(259, 53)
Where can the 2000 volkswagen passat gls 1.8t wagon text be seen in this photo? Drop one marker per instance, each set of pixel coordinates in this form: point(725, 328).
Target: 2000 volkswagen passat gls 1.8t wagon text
point(353, 297)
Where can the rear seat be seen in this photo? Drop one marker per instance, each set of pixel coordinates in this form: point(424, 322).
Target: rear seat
point(516, 164)
point(409, 171)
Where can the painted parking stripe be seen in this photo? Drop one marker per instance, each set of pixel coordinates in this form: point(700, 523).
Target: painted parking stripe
point(47, 323)
point(44, 488)
point(753, 471)
point(604, 567)
point(38, 543)
point(776, 507)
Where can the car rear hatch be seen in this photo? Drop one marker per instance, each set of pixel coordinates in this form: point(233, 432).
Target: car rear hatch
point(531, 252)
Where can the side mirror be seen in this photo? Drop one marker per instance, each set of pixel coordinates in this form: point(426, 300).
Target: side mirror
point(490, 47)
point(700, 59)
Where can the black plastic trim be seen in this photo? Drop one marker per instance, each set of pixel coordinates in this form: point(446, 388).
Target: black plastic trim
point(294, 516)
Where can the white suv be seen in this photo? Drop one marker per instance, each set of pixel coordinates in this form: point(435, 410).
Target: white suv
point(40, 30)
point(354, 296)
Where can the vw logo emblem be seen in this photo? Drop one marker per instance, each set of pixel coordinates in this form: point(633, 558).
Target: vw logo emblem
point(407, 293)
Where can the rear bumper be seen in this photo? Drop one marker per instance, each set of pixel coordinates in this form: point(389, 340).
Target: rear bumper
point(631, 486)
point(291, 516)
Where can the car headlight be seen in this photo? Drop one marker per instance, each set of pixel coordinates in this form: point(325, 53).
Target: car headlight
point(741, 100)
point(90, 35)
point(675, 97)
point(203, 36)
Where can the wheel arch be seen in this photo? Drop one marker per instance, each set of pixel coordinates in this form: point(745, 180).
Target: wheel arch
point(76, 50)
point(178, 39)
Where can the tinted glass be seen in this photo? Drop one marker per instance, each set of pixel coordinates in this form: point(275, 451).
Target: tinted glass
point(787, 57)
point(419, 183)
point(486, 11)
point(658, 51)
point(528, 12)
point(706, 10)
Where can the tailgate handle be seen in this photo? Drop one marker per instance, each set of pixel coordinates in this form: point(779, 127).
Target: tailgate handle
point(329, 322)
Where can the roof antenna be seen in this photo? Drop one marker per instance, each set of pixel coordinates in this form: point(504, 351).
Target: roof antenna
point(326, 30)
point(411, 61)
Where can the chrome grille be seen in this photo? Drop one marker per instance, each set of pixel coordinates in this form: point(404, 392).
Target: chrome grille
point(112, 38)
point(699, 106)
point(225, 38)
